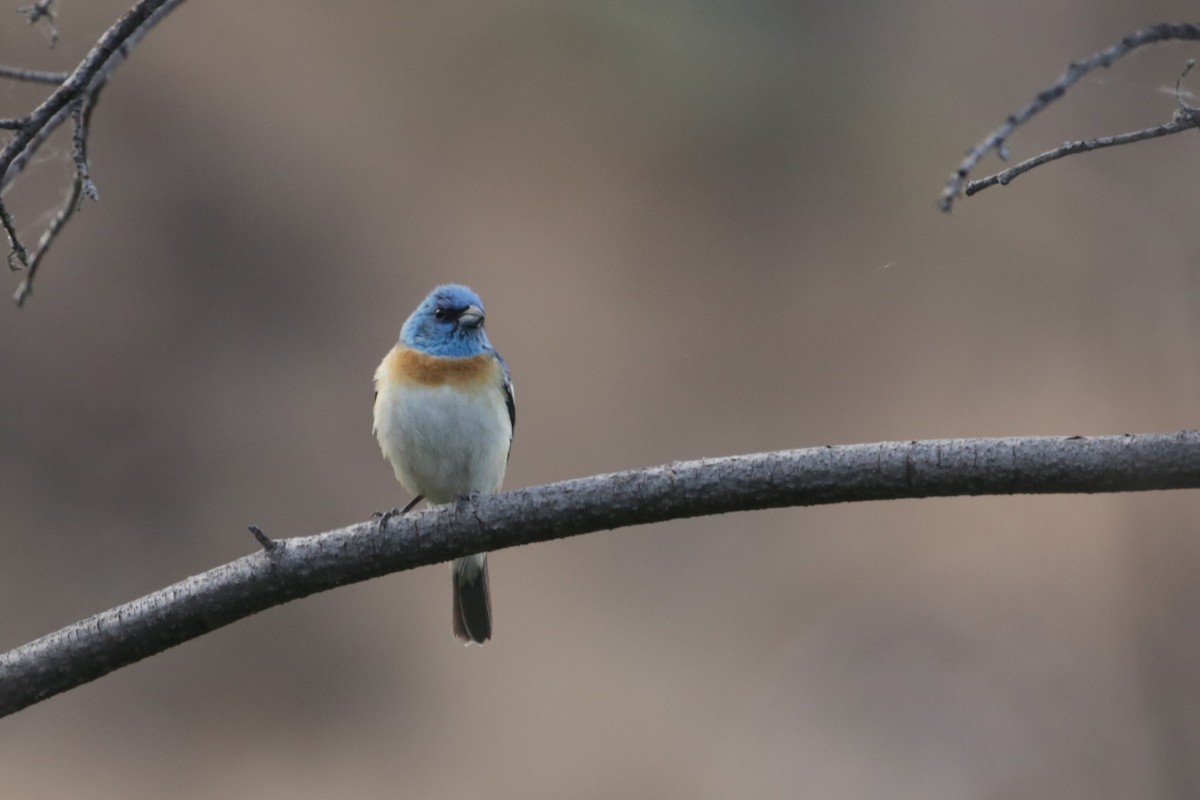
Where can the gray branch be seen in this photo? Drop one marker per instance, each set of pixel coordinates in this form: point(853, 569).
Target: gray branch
point(998, 139)
point(287, 569)
point(1183, 121)
point(75, 91)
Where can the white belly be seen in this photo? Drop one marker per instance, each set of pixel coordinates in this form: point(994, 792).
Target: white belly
point(442, 442)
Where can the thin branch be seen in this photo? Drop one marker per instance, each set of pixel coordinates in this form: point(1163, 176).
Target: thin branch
point(297, 567)
point(998, 139)
point(261, 537)
point(74, 199)
point(80, 86)
point(65, 212)
point(33, 75)
point(1181, 123)
point(1179, 92)
point(18, 257)
point(42, 9)
point(79, 147)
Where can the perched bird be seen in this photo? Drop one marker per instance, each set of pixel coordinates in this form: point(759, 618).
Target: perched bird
point(444, 417)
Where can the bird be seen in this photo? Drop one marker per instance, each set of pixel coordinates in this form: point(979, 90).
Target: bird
point(444, 418)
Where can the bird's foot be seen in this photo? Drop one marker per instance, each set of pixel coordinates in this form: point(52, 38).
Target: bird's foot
point(468, 497)
point(384, 516)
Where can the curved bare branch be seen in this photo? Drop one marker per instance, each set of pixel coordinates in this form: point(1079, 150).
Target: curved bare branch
point(286, 569)
point(998, 139)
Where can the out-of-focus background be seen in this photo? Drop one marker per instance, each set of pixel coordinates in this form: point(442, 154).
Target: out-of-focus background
point(700, 229)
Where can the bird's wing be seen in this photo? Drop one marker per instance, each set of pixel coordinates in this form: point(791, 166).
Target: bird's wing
point(509, 397)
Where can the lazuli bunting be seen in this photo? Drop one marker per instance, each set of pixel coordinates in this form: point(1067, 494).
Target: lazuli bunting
point(444, 417)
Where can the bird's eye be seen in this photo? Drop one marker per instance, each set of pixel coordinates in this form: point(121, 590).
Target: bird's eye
point(439, 313)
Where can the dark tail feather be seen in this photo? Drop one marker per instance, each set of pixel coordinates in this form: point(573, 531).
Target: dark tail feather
point(472, 600)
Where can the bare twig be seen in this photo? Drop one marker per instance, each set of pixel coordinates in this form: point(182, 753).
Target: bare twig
point(42, 9)
point(65, 212)
point(1185, 107)
point(33, 75)
point(297, 567)
point(1082, 146)
point(18, 257)
point(69, 206)
point(1186, 117)
point(261, 537)
point(75, 96)
point(998, 139)
point(79, 148)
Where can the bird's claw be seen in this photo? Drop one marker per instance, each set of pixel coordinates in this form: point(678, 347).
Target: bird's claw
point(468, 497)
point(384, 516)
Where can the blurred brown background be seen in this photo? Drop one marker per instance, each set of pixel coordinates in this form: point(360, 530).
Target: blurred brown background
point(700, 229)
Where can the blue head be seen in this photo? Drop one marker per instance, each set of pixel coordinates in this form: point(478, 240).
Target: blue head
point(449, 322)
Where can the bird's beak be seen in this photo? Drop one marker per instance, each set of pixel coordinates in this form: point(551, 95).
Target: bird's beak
point(472, 317)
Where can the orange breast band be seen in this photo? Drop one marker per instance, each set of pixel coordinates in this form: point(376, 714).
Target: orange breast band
point(404, 365)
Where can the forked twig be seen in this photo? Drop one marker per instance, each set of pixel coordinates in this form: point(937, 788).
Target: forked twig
point(998, 139)
point(79, 189)
point(42, 9)
point(75, 97)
